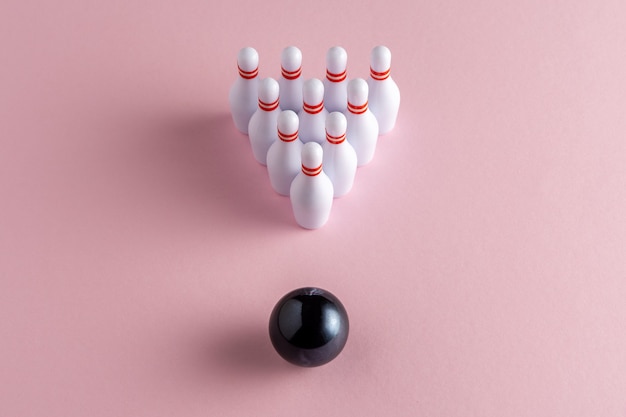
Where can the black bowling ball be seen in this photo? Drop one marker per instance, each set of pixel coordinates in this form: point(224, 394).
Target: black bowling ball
point(309, 327)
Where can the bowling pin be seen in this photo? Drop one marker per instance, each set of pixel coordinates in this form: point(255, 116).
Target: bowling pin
point(262, 127)
point(335, 83)
point(313, 114)
point(311, 192)
point(283, 157)
point(290, 80)
point(384, 95)
point(362, 130)
point(243, 93)
point(339, 156)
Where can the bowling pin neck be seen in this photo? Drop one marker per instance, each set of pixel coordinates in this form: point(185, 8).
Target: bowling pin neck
point(290, 75)
point(248, 75)
point(357, 109)
point(335, 140)
point(336, 77)
point(287, 137)
point(380, 76)
point(312, 172)
point(268, 106)
point(248, 63)
point(313, 109)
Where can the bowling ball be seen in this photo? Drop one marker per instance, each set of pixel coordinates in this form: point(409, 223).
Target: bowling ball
point(309, 327)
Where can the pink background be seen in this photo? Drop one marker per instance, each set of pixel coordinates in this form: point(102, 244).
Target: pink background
point(481, 256)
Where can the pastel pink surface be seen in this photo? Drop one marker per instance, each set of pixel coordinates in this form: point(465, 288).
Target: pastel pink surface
point(480, 256)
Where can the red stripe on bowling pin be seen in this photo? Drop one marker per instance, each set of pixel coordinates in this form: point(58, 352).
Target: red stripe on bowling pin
point(248, 75)
point(290, 75)
point(357, 109)
point(287, 138)
point(335, 140)
point(336, 78)
point(380, 76)
point(268, 106)
point(313, 109)
point(311, 172)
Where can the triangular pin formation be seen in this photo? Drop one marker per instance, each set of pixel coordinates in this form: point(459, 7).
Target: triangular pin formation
point(313, 135)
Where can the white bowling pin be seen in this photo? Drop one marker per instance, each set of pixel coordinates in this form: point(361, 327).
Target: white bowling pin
point(243, 93)
point(362, 131)
point(339, 156)
point(335, 83)
point(311, 191)
point(384, 95)
point(290, 80)
point(283, 157)
point(313, 114)
point(262, 127)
